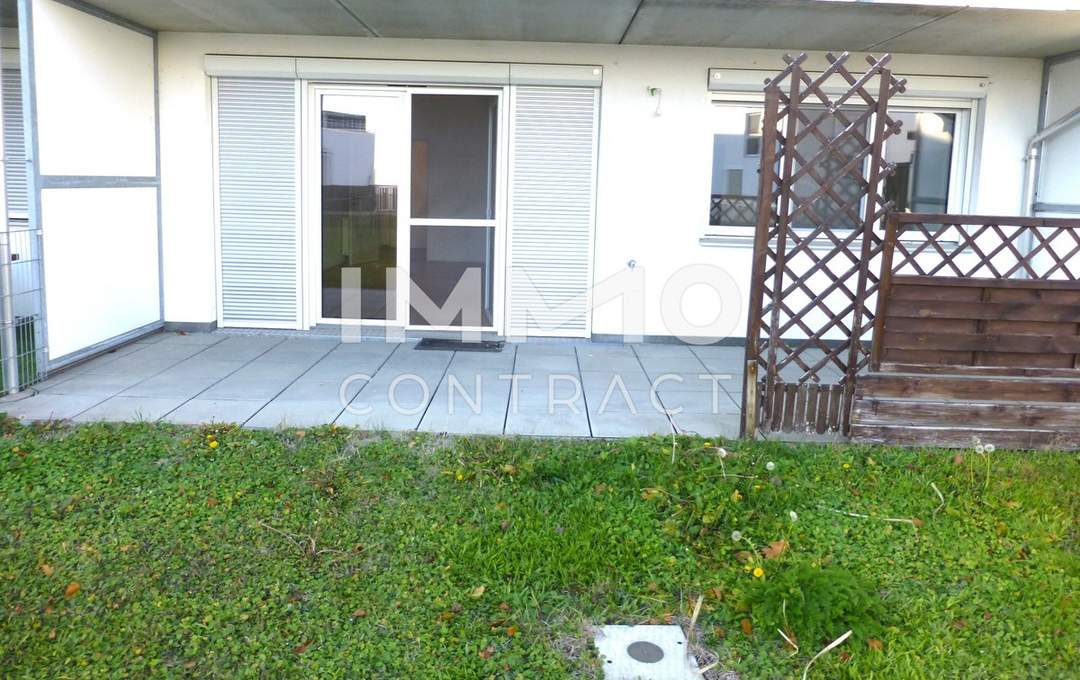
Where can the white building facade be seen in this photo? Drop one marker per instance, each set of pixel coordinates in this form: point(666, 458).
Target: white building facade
point(195, 180)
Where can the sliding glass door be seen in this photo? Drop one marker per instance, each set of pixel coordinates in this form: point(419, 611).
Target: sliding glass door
point(409, 211)
point(452, 225)
point(361, 169)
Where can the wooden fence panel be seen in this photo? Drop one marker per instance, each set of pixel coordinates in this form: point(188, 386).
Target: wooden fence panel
point(819, 211)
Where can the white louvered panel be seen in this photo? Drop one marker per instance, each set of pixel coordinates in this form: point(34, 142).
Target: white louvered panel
point(552, 196)
point(257, 204)
point(14, 142)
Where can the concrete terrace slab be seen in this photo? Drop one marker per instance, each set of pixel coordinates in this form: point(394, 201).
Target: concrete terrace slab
point(283, 379)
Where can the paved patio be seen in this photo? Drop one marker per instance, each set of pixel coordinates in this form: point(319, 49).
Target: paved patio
point(571, 389)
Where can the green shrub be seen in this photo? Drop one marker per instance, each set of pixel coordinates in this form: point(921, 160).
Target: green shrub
point(815, 605)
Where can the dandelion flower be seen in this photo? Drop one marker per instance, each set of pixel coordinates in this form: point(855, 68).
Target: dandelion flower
point(980, 449)
point(736, 535)
point(759, 572)
point(846, 466)
point(708, 445)
point(990, 448)
point(722, 452)
point(213, 444)
point(794, 516)
point(770, 466)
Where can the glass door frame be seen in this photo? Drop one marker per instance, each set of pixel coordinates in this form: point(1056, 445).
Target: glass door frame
point(311, 202)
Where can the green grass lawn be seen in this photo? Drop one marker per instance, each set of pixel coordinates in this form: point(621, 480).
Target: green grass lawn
point(142, 550)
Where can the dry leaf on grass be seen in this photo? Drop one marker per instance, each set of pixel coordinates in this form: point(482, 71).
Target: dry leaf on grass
point(73, 588)
point(775, 549)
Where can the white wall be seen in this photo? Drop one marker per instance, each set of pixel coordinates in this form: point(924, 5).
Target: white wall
point(95, 94)
point(96, 121)
point(97, 290)
point(654, 171)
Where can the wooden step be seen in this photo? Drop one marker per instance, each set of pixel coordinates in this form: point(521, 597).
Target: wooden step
point(1051, 416)
point(983, 371)
point(1020, 412)
point(964, 437)
point(968, 387)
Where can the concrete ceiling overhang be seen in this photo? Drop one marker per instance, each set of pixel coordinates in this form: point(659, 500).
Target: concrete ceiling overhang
point(778, 24)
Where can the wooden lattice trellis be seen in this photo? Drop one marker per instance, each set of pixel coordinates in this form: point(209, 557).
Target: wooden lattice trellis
point(815, 240)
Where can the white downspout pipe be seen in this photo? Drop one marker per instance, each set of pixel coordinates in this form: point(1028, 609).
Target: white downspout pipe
point(1031, 159)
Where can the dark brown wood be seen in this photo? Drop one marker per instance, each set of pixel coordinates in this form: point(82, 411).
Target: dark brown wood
point(821, 426)
point(975, 282)
point(928, 413)
point(804, 199)
point(998, 311)
point(870, 219)
point(937, 218)
point(836, 398)
point(812, 392)
point(791, 395)
point(984, 342)
point(908, 291)
point(1019, 371)
point(884, 289)
point(964, 438)
point(799, 421)
point(969, 388)
point(776, 392)
point(761, 247)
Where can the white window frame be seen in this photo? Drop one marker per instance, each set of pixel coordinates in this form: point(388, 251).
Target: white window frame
point(962, 172)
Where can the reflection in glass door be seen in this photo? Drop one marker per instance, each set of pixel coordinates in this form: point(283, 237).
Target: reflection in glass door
point(453, 210)
point(362, 138)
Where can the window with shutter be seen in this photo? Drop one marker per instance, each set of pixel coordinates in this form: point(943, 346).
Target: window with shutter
point(552, 198)
point(257, 132)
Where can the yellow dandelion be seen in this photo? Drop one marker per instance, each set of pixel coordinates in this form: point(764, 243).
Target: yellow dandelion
point(847, 466)
point(460, 476)
point(213, 445)
point(759, 572)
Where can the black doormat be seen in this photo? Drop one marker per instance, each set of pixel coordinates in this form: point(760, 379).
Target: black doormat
point(459, 346)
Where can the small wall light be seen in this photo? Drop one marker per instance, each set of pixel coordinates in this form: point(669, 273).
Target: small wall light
point(659, 94)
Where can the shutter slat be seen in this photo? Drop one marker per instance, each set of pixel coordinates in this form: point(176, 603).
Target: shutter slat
point(553, 179)
point(14, 142)
point(257, 183)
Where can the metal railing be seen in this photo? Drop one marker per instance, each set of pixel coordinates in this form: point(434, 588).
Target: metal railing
point(22, 330)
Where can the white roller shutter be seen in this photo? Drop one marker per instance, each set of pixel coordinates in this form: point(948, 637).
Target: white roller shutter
point(14, 142)
point(258, 206)
point(553, 140)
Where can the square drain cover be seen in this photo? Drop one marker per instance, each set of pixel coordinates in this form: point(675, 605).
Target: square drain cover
point(645, 653)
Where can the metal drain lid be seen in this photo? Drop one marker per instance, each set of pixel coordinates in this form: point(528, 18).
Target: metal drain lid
point(645, 653)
